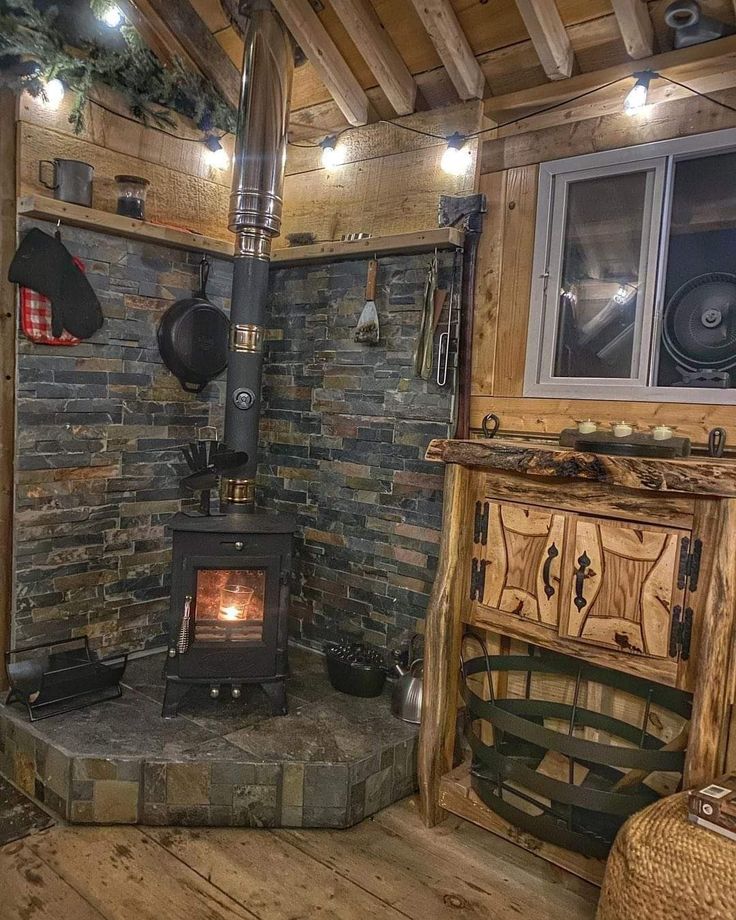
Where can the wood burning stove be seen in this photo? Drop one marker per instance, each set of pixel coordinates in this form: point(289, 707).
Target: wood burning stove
point(230, 571)
point(229, 605)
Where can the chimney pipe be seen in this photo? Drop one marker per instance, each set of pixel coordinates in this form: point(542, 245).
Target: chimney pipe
point(255, 218)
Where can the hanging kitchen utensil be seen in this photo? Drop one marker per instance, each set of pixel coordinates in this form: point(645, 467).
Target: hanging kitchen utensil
point(368, 331)
point(716, 442)
point(443, 346)
point(192, 337)
point(425, 340)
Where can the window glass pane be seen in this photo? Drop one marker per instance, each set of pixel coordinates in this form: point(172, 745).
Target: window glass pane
point(698, 343)
point(601, 284)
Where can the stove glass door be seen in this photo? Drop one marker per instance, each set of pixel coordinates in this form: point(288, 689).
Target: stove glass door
point(229, 604)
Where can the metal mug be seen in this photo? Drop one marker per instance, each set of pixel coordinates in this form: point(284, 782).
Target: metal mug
point(71, 180)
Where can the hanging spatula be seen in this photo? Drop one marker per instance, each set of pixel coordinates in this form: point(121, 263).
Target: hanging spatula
point(368, 332)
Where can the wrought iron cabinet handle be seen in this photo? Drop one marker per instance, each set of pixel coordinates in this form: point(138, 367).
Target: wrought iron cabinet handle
point(583, 562)
point(552, 554)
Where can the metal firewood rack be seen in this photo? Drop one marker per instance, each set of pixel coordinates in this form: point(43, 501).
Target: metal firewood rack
point(584, 817)
point(54, 677)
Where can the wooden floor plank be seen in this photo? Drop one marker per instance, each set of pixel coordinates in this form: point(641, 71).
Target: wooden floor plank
point(407, 865)
point(127, 876)
point(30, 889)
point(275, 879)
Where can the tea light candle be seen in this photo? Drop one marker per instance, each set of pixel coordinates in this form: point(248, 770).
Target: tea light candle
point(622, 429)
point(661, 432)
point(587, 427)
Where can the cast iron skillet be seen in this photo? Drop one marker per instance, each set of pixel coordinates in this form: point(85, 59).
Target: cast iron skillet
point(192, 337)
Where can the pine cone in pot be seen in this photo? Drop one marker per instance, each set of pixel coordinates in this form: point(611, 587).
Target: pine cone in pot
point(355, 668)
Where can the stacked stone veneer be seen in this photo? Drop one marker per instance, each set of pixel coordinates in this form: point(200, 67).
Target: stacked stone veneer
point(344, 431)
point(98, 427)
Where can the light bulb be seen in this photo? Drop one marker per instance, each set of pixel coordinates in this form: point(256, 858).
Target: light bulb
point(218, 159)
point(54, 92)
point(112, 16)
point(215, 154)
point(456, 159)
point(333, 154)
point(636, 98)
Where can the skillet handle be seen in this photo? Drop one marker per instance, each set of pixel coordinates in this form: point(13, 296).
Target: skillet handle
point(204, 274)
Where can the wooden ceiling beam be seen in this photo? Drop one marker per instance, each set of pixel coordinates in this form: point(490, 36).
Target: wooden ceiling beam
point(379, 52)
point(636, 27)
point(443, 28)
point(549, 37)
point(324, 56)
point(178, 28)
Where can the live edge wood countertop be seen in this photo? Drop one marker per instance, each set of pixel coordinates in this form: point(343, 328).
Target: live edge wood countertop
point(697, 475)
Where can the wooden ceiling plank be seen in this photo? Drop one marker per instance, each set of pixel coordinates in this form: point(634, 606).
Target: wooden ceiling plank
point(379, 52)
point(440, 21)
point(180, 28)
point(636, 27)
point(329, 64)
point(683, 64)
point(549, 37)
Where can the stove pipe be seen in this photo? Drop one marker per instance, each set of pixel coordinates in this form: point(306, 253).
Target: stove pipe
point(255, 218)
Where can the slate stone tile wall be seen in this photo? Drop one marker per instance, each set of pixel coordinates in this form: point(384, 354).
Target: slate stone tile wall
point(98, 426)
point(343, 436)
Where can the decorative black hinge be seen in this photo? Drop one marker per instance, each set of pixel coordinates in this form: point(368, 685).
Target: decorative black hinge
point(480, 530)
point(688, 570)
point(478, 579)
point(681, 630)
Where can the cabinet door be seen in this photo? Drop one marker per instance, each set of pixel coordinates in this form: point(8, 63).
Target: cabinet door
point(523, 556)
point(622, 585)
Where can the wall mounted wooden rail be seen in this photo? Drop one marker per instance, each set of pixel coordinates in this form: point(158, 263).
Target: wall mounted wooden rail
point(75, 215)
point(700, 475)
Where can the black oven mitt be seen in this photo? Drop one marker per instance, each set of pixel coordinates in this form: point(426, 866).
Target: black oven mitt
point(42, 263)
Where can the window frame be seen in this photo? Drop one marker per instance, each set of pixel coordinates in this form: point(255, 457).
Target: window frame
point(544, 303)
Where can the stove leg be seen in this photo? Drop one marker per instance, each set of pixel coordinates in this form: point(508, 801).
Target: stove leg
point(175, 693)
point(276, 693)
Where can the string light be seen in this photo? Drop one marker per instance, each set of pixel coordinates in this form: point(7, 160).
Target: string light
point(53, 92)
point(112, 16)
point(456, 159)
point(333, 154)
point(216, 154)
point(636, 98)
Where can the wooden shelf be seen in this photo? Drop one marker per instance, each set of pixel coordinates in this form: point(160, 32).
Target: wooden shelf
point(403, 243)
point(78, 216)
point(75, 215)
point(457, 797)
point(694, 475)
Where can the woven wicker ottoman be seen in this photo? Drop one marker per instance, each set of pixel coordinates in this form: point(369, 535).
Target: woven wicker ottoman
point(663, 868)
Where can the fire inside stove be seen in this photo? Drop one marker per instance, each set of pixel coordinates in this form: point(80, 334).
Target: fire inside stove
point(229, 605)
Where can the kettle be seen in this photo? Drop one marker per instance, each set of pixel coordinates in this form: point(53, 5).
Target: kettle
point(406, 701)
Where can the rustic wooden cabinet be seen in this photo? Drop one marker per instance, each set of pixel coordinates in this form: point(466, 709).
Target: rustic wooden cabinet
point(628, 563)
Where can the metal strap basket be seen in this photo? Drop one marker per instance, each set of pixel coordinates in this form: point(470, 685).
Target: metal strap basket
point(583, 817)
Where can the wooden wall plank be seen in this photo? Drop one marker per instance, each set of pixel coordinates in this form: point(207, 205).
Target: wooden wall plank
point(516, 279)
point(8, 321)
point(174, 197)
point(488, 284)
point(529, 415)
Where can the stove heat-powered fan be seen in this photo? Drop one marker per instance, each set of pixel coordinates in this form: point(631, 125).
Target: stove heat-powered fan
point(699, 329)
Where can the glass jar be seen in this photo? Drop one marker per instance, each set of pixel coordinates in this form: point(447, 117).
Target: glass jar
point(132, 196)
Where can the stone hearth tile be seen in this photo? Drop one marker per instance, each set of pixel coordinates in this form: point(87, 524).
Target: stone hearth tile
point(82, 813)
point(378, 789)
point(187, 784)
point(116, 801)
point(324, 817)
point(57, 772)
point(356, 804)
point(291, 817)
point(325, 786)
point(256, 806)
point(231, 774)
point(292, 791)
point(154, 782)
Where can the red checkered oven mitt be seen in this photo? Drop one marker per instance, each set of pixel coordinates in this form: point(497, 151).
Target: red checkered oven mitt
point(35, 317)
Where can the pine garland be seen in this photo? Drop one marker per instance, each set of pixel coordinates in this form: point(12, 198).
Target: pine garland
point(33, 51)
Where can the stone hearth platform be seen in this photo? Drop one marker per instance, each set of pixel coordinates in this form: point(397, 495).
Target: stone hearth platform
point(332, 761)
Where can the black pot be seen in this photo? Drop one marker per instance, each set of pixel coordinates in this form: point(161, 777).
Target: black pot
point(361, 676)
point(192, 338)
